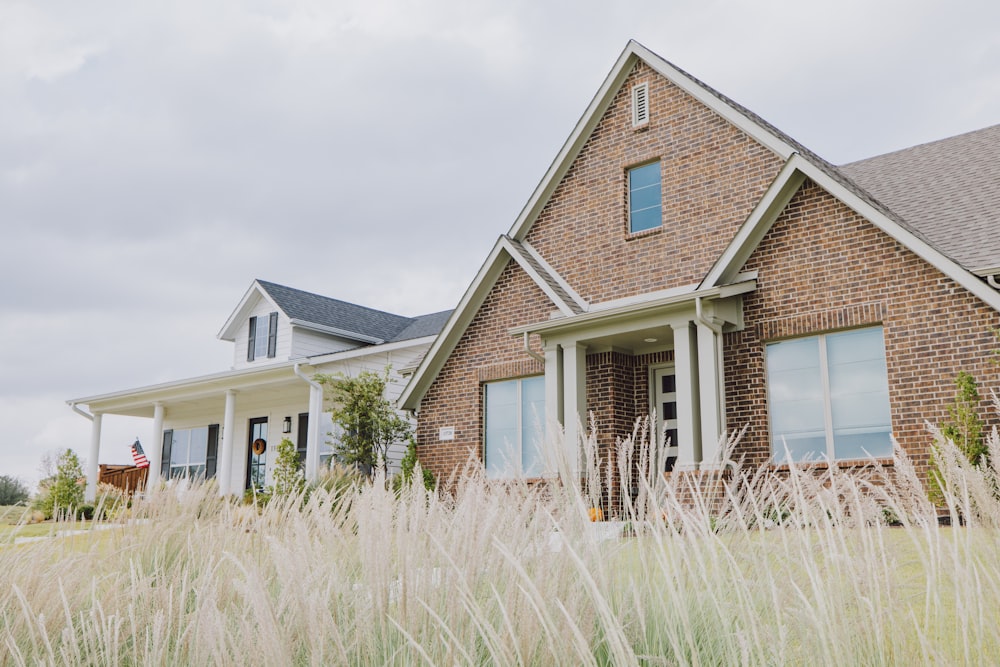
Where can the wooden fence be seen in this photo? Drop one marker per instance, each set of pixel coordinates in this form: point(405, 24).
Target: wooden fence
point(128, 478)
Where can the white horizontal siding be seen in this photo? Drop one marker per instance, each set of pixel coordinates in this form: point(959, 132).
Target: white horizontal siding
point(307, 343)
point(262, 310)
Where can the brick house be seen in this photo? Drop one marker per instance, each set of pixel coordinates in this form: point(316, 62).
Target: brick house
point(682, 256)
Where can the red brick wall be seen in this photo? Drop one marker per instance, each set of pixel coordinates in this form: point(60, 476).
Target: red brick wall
point(713, 174)
point(823, 267)
point(486, 352)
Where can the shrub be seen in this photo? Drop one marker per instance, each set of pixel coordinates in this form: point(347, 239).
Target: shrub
point(408, 466)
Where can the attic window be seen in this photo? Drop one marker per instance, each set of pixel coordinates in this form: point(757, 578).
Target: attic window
point(640, 104)
point(263, 340)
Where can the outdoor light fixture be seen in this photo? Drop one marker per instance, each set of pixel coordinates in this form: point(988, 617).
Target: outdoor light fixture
point(286, 426)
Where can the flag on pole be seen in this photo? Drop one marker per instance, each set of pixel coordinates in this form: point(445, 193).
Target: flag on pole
point(138, 455)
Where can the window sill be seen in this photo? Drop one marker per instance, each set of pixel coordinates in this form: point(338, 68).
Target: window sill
point(884, 461)
point(632, 236)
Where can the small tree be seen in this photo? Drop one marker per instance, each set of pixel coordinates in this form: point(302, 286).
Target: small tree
point(288, 476)
point(368, 423)
point(408, 466)
point(64, 490)
point(12, 490)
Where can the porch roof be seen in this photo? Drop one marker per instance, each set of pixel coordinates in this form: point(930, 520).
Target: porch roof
point(635, 309)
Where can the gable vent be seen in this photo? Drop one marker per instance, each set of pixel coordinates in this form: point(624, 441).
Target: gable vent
point(640, 104)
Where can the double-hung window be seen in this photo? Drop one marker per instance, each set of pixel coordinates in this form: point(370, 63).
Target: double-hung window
point(515, 419)
point(190, 452)
point(829, 397)
point(645, 208)
point(263, 341)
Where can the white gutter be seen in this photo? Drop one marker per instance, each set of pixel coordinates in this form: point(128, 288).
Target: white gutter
point(79, 411)
point(991, 280)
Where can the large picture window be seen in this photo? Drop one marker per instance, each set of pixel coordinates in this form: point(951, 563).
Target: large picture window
point(829, 397)
point(515, 418)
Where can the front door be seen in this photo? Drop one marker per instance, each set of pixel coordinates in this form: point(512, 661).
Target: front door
point(257, 447)
point(665, 404)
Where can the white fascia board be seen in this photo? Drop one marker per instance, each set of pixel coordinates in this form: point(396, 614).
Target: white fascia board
point(579, 300)
point(917, 245)
point(630, 310)
point(334, 331)
point(356, 352)
point(453, 329)
point(759, 133)
point(987, 271)
point(642, 298)
point(600, 103)
point(228, 330)
point(789, 180)
point(543, 284)
point(577, 138)
point(225, 380)
point(775, 199)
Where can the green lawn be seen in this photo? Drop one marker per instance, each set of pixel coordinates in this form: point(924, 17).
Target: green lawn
point(11, 527)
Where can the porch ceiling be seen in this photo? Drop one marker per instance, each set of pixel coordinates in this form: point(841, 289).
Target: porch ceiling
point(637, 341)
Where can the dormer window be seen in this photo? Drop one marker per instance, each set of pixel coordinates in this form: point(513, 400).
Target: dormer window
point(263, 341)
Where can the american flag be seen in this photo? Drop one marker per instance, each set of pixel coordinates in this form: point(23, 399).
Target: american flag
point(138, 455)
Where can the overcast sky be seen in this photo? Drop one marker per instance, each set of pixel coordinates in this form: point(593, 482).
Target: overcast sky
point(156, 157)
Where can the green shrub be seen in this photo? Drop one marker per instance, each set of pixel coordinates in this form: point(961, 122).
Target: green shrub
point(287, 474)
point(12, 491)
point(408, 466)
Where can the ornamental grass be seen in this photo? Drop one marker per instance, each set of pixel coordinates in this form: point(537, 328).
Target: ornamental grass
point(743, 566)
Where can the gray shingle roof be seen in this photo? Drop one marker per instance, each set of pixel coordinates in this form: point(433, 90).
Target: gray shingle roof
point(352, 318)
point(947, 190)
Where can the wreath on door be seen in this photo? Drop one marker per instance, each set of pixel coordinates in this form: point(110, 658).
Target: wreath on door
point(259, 446)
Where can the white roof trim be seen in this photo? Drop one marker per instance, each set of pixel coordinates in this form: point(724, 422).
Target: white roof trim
point(467, 308)
point(602, 100)
point(228, 330)
point(643, 298)
point(563, 307)
point(320, 359)
point(790, 177)
point(577, 299)
point(334, 331)
point(658, 304)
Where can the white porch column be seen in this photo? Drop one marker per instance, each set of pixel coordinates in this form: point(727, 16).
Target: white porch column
point(225, 469)
point(553, 390)
point(155, 449)
point(685, 368)
point(574, 366)
point(93, 467)
point(312, 439)
point(709, 367)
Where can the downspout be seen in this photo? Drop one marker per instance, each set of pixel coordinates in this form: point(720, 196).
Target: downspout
point(531, 353)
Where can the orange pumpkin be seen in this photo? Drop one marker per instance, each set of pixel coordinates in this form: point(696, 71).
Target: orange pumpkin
point(596, 514)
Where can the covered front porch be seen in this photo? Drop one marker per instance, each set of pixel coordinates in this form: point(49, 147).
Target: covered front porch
point(208, 426)
point(659, 356)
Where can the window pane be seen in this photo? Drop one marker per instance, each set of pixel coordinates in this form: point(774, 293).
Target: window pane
point(859, 394)
point(179, 448)
point(260, 341)
point(644, 198)
point(795, 393)
point(644, 176)
point(501, 429)
point(647, 219)
point(199, 445)
point(532, 425)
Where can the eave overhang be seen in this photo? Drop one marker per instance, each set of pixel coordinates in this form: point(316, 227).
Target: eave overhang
point(663, 305)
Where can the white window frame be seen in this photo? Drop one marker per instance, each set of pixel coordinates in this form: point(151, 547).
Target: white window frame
point(517, 472)
point(824, 371)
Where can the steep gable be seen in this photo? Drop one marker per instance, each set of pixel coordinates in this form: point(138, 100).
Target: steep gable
point(712, 174)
